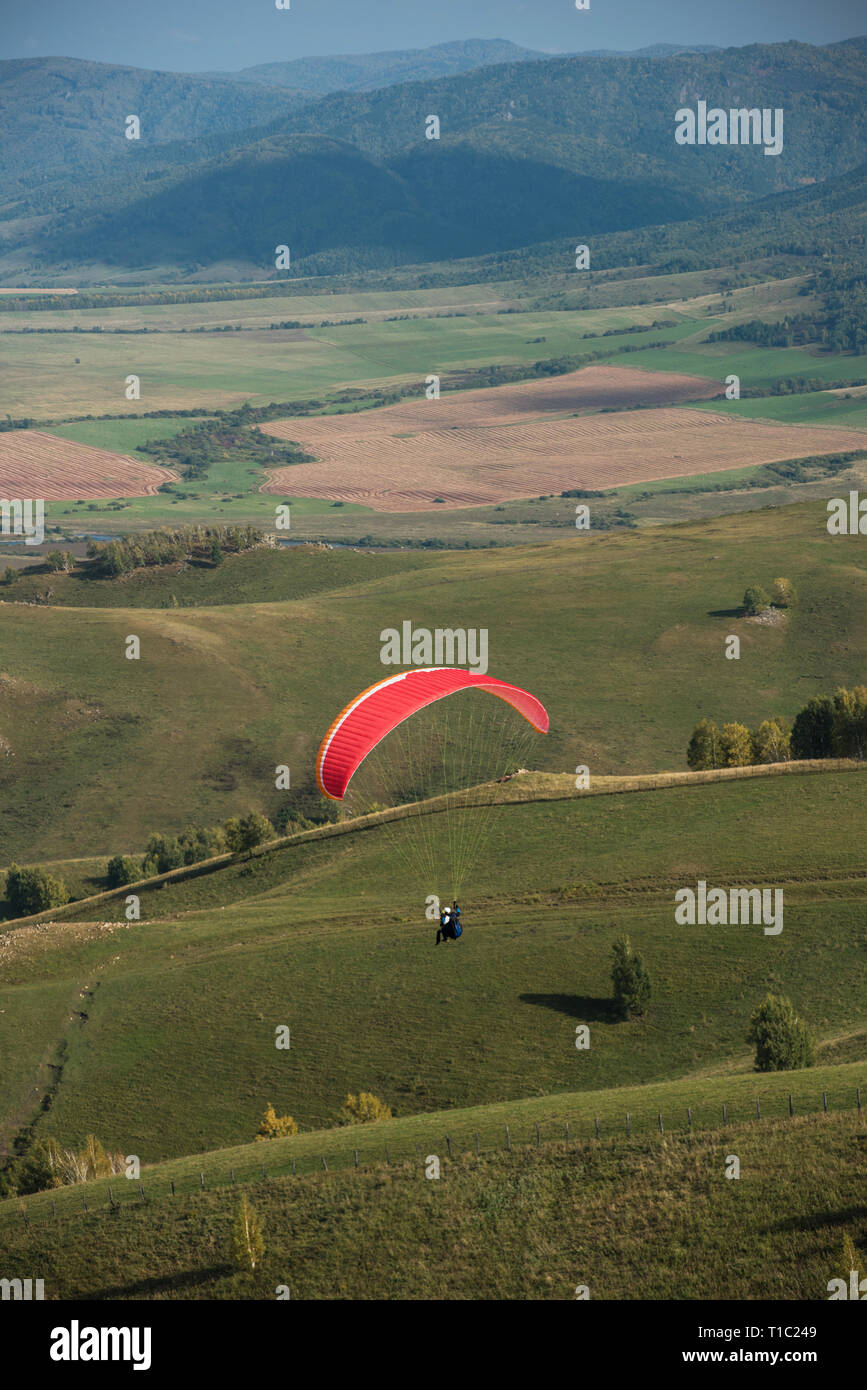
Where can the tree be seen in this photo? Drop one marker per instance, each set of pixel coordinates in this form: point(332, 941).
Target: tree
point(274, 1126)
point(737, 745)
point(811, 731)
point(755, 599)
point(248, 1241)
point(215, 552)
point(9, 575)
point(59, 560)
point(849, 729)
point(705, 749)
point(162, 853)
point(784, 595)
point(782, 1041)
point(772, 741)
point(630, 979)
point(248, 832)
point(122, 869)
point(364, 1109)
point(33, 890)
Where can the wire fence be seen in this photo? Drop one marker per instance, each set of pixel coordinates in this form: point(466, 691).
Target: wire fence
point(460, 1143)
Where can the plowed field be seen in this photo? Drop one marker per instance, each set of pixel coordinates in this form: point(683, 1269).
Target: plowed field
point(38, 465)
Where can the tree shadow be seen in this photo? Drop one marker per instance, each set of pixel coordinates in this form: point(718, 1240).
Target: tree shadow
point(727, 612)
point(164, 1283)
point(818, 1221)
point(584, 1007)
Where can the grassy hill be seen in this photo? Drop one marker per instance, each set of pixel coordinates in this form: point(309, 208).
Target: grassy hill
point(619, 1218)
point(328, 936)
point(621, 636)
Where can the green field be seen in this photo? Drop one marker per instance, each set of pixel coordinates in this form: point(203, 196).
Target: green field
point(622, 636)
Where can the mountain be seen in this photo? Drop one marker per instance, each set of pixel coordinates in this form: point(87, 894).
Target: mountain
point(63, 118)
point(353, 72)
point(528, 152)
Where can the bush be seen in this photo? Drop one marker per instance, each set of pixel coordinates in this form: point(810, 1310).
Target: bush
point(782, 1041)
point(32, 890)
point(122, 869)
point(248, 832)
point(274, 1126)
point(162, 853)
point(756, 600)
point(364, 1109)
point(784, 593)
point(630, 980)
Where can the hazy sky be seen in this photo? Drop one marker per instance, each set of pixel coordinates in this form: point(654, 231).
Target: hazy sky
point(192, 35)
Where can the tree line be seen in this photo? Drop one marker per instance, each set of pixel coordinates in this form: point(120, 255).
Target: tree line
point(829, 726)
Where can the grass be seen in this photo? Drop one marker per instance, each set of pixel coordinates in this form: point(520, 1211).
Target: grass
point(329, 938)
point(621, 636)
point(624, 1219)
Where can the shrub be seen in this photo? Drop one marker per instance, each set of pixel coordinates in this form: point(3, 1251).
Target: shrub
point(248, 1241)
point(784, 593)
point(630, 980)
point(248, 832)
point(274, 1126)
point(755, 599)
point(782, 1041)
point(364, 1109)
point(33, 890)
point(122, 869)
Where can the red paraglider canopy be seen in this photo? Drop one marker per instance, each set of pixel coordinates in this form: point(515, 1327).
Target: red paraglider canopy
point(379, 709)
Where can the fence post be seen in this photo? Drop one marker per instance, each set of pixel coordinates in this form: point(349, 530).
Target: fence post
point(476, 1136)
point(324, 1164)
point(84, 1200)
point(508, 1139)
point(387, 1158)
point(293, 1167)
point(449, 1145)
point(110, 1197)
point(825, 1101)
point(141, 1191)
point(232, 1171)
point(758, 1109)
point(627, 1125)
point(173, 1187)
point(689, 1117)
point(858, 1094)
point(597, 1126)
point(264, 1174)
point(659, 1117)
point(567, 1131)
point(202, 1176)
point(538, 1137)
point(54, 1211)
point(791, 1109)
point(27, 1223)
point(356, 1158)
point(725, 1117)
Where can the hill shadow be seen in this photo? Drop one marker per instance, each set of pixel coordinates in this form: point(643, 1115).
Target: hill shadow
point(584, 1007)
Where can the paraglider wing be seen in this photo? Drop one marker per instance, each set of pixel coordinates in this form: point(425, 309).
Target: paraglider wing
point(376, 711)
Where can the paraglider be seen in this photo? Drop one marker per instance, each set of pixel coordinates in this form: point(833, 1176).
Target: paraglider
point(427, 748)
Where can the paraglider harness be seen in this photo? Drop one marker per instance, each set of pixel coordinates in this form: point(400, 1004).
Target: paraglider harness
point(450, 924)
